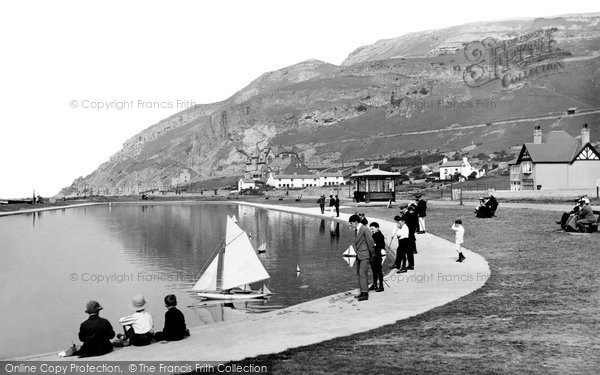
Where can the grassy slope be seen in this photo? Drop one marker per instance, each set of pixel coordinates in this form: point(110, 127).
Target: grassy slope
point(536, 314)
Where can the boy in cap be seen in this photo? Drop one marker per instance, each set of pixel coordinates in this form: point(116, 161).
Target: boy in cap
point(379, 241)
point(174, 329)
point(421, 212)
point(138, 326)
point(401, 232)
point(95, 333)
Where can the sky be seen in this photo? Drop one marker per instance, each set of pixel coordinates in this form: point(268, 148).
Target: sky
point(79, 78)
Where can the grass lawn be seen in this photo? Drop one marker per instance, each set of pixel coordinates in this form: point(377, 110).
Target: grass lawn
point(537, 313)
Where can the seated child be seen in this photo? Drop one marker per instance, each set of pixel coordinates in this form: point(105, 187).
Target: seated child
point(95, 333)
point(174, 322)
point(138, 326)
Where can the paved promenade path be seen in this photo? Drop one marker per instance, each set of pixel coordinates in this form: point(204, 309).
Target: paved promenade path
point(436, 280)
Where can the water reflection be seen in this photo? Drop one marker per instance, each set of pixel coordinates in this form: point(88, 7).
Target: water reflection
point(153, 249)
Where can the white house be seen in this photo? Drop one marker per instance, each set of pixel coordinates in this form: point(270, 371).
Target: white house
point(246, 183)
point(293, 180)
point(331, 179)
point(449, 168)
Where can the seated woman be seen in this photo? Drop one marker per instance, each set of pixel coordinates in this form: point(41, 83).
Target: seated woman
point(138, 326)
point(567, 215)
point(174, 322)
point(585, 215)
point(487, 207)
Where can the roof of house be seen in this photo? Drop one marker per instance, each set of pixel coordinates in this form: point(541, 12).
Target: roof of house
point(376, 173)
point(330, 174)
point(305, 176)
point(452, 163)
point(558, 147)
point(247, 180)
point(296, 166)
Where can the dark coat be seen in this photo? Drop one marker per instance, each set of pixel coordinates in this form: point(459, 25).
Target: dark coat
point(421, 208)
point(379, 241)
point(412, 222)
point(95, 333)
point(363, 244)
point(174, 325)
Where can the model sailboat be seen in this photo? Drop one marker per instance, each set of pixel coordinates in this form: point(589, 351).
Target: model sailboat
point(262, 248)
point(239, 267)
point(350, 255)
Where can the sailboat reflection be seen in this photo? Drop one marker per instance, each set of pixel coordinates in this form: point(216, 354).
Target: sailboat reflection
point(213, 311)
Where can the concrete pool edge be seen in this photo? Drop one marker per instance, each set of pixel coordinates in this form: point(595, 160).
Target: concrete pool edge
point(437, 280)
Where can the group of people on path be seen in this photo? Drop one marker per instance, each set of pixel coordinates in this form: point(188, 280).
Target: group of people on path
point(370, 245)
point(138, 328)
point(579, 217)
point(334, 204)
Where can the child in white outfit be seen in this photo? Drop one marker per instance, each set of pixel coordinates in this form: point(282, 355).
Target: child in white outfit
point(459, 232)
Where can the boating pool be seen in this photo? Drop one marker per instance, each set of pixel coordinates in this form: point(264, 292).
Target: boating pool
point(53, 262)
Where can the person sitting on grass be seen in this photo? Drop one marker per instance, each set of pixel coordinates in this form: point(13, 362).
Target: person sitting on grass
point(95, 333)
point(174, 329)
point(138, 327)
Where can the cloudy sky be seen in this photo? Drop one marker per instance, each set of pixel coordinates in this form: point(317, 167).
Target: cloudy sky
point(62, 61)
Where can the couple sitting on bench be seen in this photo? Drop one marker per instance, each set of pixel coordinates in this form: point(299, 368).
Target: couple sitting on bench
point(487, 207)
point(579, 218)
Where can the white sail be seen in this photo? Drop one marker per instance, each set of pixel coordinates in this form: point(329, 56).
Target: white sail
point(240, 262)
point(350, 260)
point(265, 290)
point(262, 247)
point(208, 280)
point(349, 252)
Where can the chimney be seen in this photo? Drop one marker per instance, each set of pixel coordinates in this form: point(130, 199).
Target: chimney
point(465, 160)
point(537, 135)
point(444, 160)
point(585, 135)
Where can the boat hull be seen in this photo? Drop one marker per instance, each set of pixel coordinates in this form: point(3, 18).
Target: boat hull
point(233, 296)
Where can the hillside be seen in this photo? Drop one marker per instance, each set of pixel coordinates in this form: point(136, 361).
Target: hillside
point(398, 95)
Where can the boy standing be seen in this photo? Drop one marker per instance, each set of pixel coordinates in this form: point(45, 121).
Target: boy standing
point(379, 241)
point(459, 232)
point(402, 234)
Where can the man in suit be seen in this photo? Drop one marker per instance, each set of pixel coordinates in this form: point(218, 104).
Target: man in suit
point(365, 251)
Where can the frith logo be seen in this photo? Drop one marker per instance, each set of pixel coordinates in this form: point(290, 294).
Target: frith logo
point(514, 60)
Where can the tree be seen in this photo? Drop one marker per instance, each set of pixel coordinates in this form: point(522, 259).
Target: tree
point(473, 175)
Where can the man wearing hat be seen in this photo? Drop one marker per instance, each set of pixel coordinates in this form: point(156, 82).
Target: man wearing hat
point(421, 210)
point(95, 333)
point(138, 327)
point(584, 216)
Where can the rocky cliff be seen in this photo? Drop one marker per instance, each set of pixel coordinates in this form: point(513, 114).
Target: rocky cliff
point(397, 95)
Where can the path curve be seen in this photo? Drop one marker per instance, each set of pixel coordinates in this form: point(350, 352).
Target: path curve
point(437, 280)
